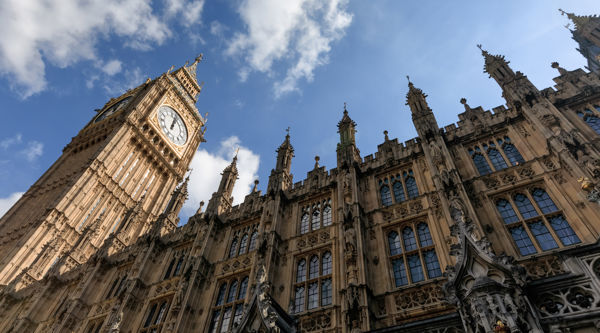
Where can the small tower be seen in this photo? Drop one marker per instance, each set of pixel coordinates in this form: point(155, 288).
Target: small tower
point(586, 35)
point(281, 177)
point(422, 116)
point(221, 200)
point(497, 67)
point(347, 152)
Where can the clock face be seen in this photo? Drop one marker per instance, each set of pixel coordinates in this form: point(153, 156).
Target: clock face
point(114, 108)
point(172, 125)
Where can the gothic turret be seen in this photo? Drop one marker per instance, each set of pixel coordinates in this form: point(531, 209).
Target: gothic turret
point(281, 177)
point(497, 67)
point(347, 152)
point(587, 36)
point(222, 199)
point(423, 118)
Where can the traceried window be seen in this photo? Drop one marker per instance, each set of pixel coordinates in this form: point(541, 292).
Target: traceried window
point(176, 264)
point(591, 119)
point(414, 259)
point(313, 289)
point(402, 185)
point(118, 284)
point(155, 315)
point(542, 222)
point(229, 304)
point(244, 240)
point(495, 152)
point(315, 215)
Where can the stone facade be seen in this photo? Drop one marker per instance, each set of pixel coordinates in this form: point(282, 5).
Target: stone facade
point(490, 225)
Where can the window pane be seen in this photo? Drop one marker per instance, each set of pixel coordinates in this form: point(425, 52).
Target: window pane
point(168, 272)
point(304, 224)
point(593, 122)
point(410, 243)
point(326, 292)
point(394, 241)
point(386, 197)
point(253, 241)
point(513, 154)
point(522, 240)
point(411, 186)
point(215, 321)
point(161, 313)
point(233, 249)
point(221, 294)
point(327, 215)
point(150, 315)
point(301, 272)
point(232, 291)
point(326, 263)
point(399, 192)
point(524, 206)
point(424, 235)
point(238, 314)
point(563, 230)
point(399, 272)
point(299, 299)
point(316, 220)
point(313, 271)
point(543, 236)
point(178, 266)
point(243, 244)
point(416, 270)
point(481, 164)
point(496, 158)
point(506, 211)
point(226, 319)
point(543, 201)
point(313, 295)
point(432, 264)
point(243, 288)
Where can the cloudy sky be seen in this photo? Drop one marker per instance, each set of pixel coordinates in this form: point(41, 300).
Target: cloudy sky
point(269, 64)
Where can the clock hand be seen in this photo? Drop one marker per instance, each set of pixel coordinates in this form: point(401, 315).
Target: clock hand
point(173, 123)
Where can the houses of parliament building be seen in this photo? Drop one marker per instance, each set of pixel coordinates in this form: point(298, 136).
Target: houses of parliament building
point(489, 225)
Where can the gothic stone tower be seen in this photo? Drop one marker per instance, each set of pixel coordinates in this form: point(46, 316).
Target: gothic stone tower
point(132, 154)
point(587, 35)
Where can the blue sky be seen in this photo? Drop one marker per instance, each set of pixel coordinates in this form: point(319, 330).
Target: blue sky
point(269, 64)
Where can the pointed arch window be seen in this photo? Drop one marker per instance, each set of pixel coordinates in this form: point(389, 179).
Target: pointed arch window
point(511, 152)
point(403, 185)
point(327, 215)
point(497, 160)
point(411, 184)
point(317, 289)
point(316, 218)
point(399, 195)
point(253, 239)
point(233, 248)
point(243, 244)
point(240, 244)
point(591, 119)
point(156, 315)
point(304, 223)
point(316, 215)
point(481, 164)
point(543, 222)
point(419, 260)
point(493, 149)
point(228, 308)
point(386, 197)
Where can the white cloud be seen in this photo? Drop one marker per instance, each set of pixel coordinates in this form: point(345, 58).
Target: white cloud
point(299, 32)
point(207, 168)
point(33, 150)
point(40, 32)
point(133, 77)
point(112, 67)
point(217, 29)
point(6, 143)
point(6, 203)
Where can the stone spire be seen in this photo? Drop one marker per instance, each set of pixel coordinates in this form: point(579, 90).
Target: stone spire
point(347, 152)
point(186, 81)
point(281, 177)
point(191, 69)
point(422, 116)
point(222, 199)
point(579, 21)
point(497, 67)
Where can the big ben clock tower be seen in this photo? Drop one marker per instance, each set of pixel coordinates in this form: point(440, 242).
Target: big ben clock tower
point(129, 158)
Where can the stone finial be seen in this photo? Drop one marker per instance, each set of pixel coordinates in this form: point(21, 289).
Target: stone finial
point(254, 189)
point(385, 133)
point(556, 66)
point(463, 101)
point(199, 211)
point(317, 158)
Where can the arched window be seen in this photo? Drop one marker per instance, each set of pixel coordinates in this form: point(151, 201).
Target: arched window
point(512, 153)
point(408, 236)
point(221, 294)
point(243, 244)
point(301, 271)
point(432, 264)
point(542, 235)
point(168, 272)
point(316, 219)
point(150, 315)
point(563, 230)
point(591, 120)
point(399, 192)
point(161, 313)
point(253, 240)
point(243, 288)
point(386, 197)
point(313, 295)
point(496, 159)
point(231, 296)
point(178, 266)
point(506, 211)
point(326, 292)
point(226, 319)
point(524, 206)
point(399, 272)
point(415, 268)
point(411, 184)
point(232, 250)
point(326, 263)
point(112, 288)
point(327, 216)
point(394, 242)
point(424, 235)
point(523, 241)
point(299, 299)
point(481, 164)
point(313, 270)
point(304, 223)
point(543, 201)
